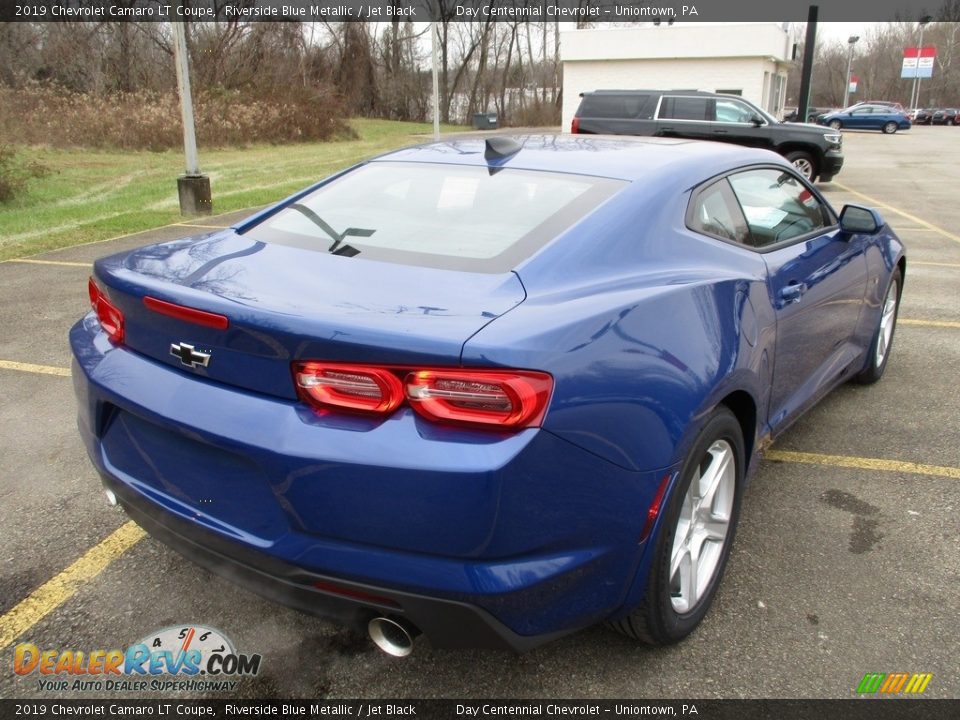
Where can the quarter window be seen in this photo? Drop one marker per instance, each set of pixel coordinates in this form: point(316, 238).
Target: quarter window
point(716, 213)
point(778, 207)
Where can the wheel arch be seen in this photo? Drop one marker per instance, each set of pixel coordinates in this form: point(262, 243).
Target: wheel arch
point(744, 408)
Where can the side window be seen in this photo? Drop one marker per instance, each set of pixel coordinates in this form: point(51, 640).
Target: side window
point(777, 206)
point(686, 108)
point(731, 111)
point(616, 107)
point(715, 212)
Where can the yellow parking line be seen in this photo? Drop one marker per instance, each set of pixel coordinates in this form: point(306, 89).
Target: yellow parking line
point(50, 262)
point(208, 227)
point(862, 463)
point(31, 368)
point(63, 586)
point(934, 264)
point(928, 323)
point(901, 213)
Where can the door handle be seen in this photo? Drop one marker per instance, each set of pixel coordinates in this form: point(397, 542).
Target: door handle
point(793, 292)
point(720, 132)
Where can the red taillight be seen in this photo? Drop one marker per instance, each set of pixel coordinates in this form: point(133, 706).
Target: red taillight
point(110, 317)
point(506, 399)
point(575, 126)
point(191, 315)
point(351, 387)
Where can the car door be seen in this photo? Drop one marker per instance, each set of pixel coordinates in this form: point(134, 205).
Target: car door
point(734, 123)
point(686, 116)
point(816, 280)
point(860, 118)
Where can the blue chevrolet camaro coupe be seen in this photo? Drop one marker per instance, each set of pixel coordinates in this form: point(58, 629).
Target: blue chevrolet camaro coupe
point(488, 391)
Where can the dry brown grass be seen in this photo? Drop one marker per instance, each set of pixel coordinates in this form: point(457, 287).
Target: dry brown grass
point(47, 115)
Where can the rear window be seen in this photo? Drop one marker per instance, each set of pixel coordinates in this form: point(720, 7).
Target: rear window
point(615, 107)
point(447, 216)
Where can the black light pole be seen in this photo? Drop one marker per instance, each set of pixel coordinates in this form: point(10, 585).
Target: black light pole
point(809, 47)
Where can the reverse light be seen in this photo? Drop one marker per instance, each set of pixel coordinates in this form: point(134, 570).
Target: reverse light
point(350, 387)
point(109, 315)
point(496, 399)
point(507, 399)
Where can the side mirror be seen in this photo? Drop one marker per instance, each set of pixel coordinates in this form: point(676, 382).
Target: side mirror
point(756, 120)
point(859, 219)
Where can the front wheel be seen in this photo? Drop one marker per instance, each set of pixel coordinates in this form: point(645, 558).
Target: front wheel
point(883, 337)
point(836, 124)
point(803, 163)
point(889, 128)
point(694, 540)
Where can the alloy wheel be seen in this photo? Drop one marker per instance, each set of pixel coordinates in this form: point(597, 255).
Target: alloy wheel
point(703, 527)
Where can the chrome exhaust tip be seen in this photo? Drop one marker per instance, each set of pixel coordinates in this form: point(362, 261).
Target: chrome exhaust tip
point(393, 636)
point(111, 498)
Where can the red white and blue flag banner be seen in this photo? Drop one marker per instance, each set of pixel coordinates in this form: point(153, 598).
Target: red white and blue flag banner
point(918, 62)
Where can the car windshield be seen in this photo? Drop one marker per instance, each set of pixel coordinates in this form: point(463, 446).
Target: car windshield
point(450, 216)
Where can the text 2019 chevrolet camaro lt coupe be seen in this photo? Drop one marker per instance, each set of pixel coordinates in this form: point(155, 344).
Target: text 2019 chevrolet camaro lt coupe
point(491, 391)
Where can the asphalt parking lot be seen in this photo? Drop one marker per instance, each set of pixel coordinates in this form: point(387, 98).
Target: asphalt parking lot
point(847, 559)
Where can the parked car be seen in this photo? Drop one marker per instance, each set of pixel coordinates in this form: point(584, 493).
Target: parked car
point(867, 117)
point(946, 116)
point(812, 114)
point(697, 115)
point(923, 117)
point(494, 391)
point(885, 103)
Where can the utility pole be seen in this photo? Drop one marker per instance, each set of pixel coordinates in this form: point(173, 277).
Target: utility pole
point(193, 187)
point(846, 91)
point(915, 90)
point(436, 82)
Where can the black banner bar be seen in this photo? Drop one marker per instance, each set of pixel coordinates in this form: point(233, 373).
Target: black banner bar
point(463, 10)
point(861, 709)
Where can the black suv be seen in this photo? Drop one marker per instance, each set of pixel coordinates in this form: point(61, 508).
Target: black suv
point(814, 151)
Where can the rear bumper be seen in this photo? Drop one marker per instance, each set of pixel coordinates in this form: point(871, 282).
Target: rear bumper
point(478, 541)
point(447, 623)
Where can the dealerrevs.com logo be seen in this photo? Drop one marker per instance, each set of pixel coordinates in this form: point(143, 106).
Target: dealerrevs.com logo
point(894, 683)
point(175, 658)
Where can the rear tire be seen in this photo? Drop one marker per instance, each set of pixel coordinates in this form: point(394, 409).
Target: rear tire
point(883, 337)
point(803, 163)
point(692, 546)
point(889, 128)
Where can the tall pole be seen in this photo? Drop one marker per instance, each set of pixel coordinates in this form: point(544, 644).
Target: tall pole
point(436, 83)
point(846, 91)
point(916, 78)
point(915, 90)
point(809, 46)
point(193, 187)
point(186, 99)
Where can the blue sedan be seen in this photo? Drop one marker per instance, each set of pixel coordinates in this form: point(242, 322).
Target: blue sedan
point(867, 117)
point(487, 391)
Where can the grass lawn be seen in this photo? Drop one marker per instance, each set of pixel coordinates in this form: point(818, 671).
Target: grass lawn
point(94, 195)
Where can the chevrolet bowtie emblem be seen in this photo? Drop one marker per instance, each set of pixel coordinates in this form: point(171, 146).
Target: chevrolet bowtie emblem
point(189, 355)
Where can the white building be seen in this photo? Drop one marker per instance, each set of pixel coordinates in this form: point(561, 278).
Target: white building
point(743, 59)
